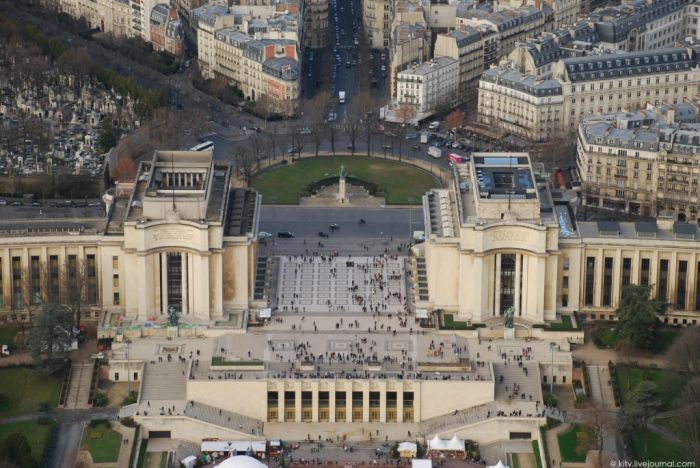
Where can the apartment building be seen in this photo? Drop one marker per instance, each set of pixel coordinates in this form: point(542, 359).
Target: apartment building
point(643, 162)
point(377, 16)
point(208, 19)
point(466, 46)
point(565, 11)
point(167, 33)
point(429, 86)
point(511, 25)
point(590, 84)
point(520, 104)
point(316, 24)
point(410, 44)
point(640, 24)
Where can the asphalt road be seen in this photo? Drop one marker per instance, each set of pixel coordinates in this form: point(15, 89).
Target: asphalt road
point(384, 228)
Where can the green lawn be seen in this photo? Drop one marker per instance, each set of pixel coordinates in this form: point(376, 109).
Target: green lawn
point(102, 442)
point(658, 448)
point(565, 325)
point(668, 383)
point(8, 334)
point(608, 337)
point(37, 435)
point(569, 440)
point(666, 338)
point(398, 181)
point(26, 390)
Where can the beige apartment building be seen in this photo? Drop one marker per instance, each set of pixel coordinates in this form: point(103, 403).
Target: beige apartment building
point(588, 85)
point(316, 24)
point(178, 236)
point(565, 11)
point(410, 44)
point(467, 47)
point(642, 162)
point(429, 86)
point(497, 239)
point(377, 16)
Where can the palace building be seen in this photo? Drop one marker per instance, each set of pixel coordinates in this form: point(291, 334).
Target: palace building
point(178, 236)
point(498, 237)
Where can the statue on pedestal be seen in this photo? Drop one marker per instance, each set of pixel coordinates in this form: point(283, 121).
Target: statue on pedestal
point(173, 316)
point(508, 317)
point(341, 184)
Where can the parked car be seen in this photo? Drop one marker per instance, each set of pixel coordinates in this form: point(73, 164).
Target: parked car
point(412, 136)
point(285, 234)
point(292, 150)
point(333, 226)
point(3, 202)
point(434, 125)
point(264, 235)
point(322, 234)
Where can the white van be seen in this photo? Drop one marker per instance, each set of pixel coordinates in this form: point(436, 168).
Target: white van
point(435, 152)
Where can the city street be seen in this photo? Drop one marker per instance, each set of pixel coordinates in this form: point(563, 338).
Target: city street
point(384, 228)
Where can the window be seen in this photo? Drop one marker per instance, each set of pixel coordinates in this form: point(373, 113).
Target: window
point(115, 298)
point(34, 280)
point(16, 283)
point(115, 263)
point(626, 271)
point(115, 281)
point(607, 281)
point(53, 286)
point(681, 288)
point(91, 280)
point(589, 282)
point(72, 278)
point(662, 293)
point(644, 278)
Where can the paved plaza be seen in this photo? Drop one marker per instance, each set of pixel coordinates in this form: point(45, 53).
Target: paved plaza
point(341, 284)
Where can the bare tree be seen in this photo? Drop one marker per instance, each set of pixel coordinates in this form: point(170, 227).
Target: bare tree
point(601, 423)
point(332, 133)
point(405, 113)
point(244, 162)
point(256, 145)
point(364, 106)
point(455, 120)
point(685, 351)
point(353, 125)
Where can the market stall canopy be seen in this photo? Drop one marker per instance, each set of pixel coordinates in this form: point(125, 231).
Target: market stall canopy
point(455, 443)
point(418, 463)
point(235, 446)
point(422, 313)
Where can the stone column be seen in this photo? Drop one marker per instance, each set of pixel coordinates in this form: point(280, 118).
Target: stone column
point(348, 404)
point(399, 403)
point(216, 274)
point(280, 405)
point(314, 403)
point(297, 401)
point(497, 288)
point(365, 402)
point(382, 404)
point(518, 277)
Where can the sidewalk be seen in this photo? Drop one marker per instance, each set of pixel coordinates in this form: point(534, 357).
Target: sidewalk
point(551, 436)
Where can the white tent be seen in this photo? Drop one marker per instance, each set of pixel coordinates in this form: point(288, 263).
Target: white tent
point(422, 313)
point(265, 313)
point(407, 449)
point(499, 465)
point(419, 463)
point(455, 443)
point(436, 443)
point(189, 462)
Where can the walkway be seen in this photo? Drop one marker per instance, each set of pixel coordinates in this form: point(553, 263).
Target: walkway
point(600, 386)
point(81, 374)
point(551, 436)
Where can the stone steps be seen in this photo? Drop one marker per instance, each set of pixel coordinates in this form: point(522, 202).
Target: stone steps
point(164, 381)
point(513, 374)
point(224, 418)
point(79, 385)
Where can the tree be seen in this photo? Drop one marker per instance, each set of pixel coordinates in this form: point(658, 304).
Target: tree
point(124, 169)
point(51, 337)
point(405, 113)
point(16, 451)
point(108, 138)
point(600, 422)
point(644, 405)
point(687, 421)
point(332, 133)
point(363, 104)
point(685, 351)
point(245, 160)
point(454, 120)
point(352, 128)
point(637, 315)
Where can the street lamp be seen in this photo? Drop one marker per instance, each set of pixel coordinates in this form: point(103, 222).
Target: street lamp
point(552, 347)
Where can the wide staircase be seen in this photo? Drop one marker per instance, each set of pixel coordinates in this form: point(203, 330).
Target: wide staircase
point(79, 384)
point(529, 384)
point(223, 418)
point(600, 386)
point(164, 381)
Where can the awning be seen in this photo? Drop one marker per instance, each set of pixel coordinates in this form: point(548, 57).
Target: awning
point(419, 463)
point(265, 313)
point(233, 446)
point(407, 447)
point(422, 313)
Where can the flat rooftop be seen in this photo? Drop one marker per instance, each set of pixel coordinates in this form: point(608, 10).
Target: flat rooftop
point(500, 176)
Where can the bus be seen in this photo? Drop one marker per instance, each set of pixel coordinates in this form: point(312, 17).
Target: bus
point(203, 146)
